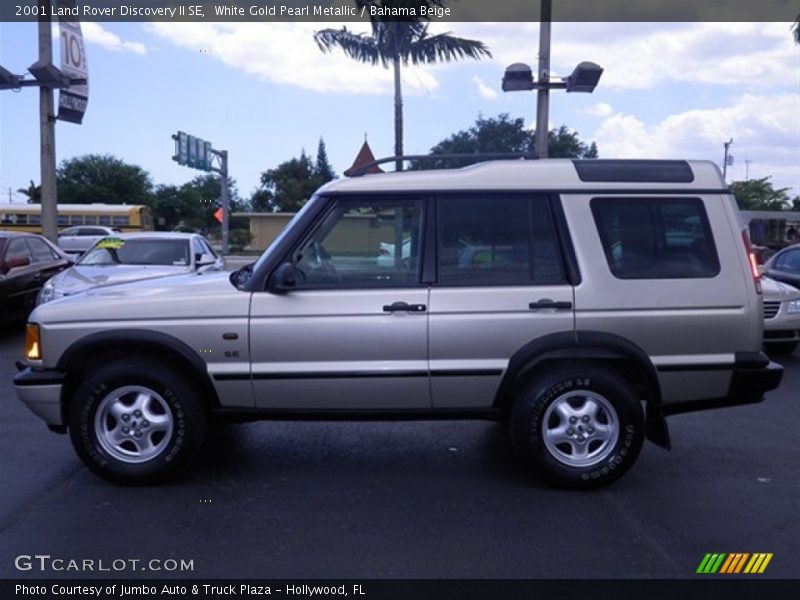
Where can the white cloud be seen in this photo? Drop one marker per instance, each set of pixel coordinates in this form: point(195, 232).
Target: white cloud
point(643, 55)
point(601, 109)
point(770, 138)
point(484, 90)
point(286, 53)
point(93, 33)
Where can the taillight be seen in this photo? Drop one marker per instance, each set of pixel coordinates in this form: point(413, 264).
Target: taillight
point(751, 257)
point(33, 348)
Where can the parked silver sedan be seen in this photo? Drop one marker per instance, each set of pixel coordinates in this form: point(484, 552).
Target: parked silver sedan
point(133, 256)
point(781, 316)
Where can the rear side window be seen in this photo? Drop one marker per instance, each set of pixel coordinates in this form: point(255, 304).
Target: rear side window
point(497, 241)
point(41, 251)
point(656, 238)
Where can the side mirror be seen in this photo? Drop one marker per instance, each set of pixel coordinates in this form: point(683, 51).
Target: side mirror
point(14, 262)
point(203, 260)
point(284, 278)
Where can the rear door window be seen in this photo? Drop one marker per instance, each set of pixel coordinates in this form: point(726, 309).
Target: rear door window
point(656, 238)
point(497, 240)
point(41, 251)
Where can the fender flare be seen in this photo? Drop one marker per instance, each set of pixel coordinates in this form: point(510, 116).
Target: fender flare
point(571, 345)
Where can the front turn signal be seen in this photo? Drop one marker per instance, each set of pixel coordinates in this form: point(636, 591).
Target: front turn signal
point(33, 346)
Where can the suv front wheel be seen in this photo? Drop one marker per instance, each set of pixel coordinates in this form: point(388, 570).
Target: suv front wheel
point(579, 428)
point(136, 422)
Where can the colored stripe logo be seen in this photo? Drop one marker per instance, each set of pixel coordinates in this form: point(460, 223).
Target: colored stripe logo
point(734, 563)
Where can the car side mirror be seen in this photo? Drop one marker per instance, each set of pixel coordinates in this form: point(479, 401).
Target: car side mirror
point(203, 260)
point(284, 278)
point(15, 262)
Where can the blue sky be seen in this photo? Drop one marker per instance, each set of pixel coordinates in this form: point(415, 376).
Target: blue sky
point(264, 92)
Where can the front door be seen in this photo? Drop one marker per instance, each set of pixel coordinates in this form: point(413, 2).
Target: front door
point(353, 333)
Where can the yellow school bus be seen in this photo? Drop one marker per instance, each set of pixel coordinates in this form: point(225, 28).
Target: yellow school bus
point(125, 217)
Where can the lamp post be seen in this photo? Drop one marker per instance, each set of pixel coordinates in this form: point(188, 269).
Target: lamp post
point(47, 77)
point(519, 77)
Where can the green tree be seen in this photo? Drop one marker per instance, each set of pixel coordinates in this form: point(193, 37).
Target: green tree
point(102, 178)
point(289, 185)
point(323, 168)
point(397, 43)
point(758, 194)
point(33, 192)
point(192, 205)
point(504, 134)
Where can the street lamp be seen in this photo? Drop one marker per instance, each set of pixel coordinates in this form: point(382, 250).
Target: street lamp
point(8, 81)
point(519, 78)
point(49, 75)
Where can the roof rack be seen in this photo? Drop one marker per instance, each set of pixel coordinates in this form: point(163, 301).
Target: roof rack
point(362, 169)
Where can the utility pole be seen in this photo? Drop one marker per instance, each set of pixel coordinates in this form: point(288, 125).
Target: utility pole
point(725, 160)
point(47, 137)
point(226, 198)
point(747, 169)
point(543, 91)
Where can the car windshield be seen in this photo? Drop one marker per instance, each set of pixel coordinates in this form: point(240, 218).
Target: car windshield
point(116, 251)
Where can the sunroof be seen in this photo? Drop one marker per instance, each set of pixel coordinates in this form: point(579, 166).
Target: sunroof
point(634, 171)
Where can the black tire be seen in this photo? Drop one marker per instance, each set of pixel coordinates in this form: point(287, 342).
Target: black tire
point(781, 347)
point(616, 407)
point(179, 426)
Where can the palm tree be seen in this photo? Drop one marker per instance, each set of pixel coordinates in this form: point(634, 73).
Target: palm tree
point(396, 43)
point(796, 30)
point(33, 192)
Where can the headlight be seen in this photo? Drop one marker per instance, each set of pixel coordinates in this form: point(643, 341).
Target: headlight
point(793, 307)
point(47, 293)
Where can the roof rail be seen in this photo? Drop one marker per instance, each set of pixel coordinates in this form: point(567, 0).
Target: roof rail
point(362, 169)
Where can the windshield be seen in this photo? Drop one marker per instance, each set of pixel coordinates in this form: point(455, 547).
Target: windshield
point(116, 251)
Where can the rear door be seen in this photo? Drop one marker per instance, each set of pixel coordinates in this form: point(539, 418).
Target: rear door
point(68, 240)
point(19, 282)
point(501, 283)
point(45, 262)
point(353, 334)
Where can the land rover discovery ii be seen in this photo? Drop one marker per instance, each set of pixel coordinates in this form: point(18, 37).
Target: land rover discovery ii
point(582, 302)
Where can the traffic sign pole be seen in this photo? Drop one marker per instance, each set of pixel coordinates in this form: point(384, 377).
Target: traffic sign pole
point(193, 152)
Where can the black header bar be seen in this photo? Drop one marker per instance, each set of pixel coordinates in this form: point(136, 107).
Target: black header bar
point(201, 11)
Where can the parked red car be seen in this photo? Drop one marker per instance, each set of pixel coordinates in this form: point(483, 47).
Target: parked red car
point(27, 260)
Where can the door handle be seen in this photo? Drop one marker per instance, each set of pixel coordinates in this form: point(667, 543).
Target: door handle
point(404, 307)
point(550, 304)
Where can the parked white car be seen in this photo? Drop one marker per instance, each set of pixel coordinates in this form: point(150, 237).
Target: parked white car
point(77, 240)
point(134, 256)
point(781, 316)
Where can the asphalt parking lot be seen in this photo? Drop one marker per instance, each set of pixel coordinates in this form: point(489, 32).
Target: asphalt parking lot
point(417, 500)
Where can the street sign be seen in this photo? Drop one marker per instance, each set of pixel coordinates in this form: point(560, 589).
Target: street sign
point(218, 214)
point(193, 152)
point(72, 100)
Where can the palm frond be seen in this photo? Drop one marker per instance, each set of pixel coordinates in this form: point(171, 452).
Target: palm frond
point(796, 30)
point(443, 47)
point(358, 46)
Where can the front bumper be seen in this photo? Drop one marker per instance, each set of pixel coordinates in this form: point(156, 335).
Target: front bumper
point(40, 391)
point(753, 375)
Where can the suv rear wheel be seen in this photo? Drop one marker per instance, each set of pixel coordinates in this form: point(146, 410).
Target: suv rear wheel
point(579, 428)
point(136, 422)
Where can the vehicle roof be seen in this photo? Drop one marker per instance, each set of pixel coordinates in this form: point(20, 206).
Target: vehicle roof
point(168, 235)
point(8, 234)
point(549, 174)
